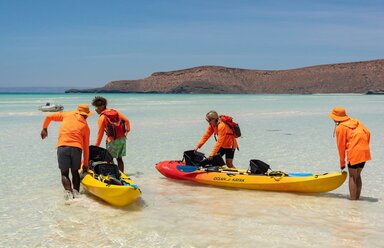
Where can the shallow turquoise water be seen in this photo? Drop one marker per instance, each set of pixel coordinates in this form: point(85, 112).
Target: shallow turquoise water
point(291, 132)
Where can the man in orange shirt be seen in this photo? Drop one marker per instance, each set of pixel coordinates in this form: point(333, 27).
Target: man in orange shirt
point(116, 126)
point(73, 140)
point(226, 142)
point(352, 139)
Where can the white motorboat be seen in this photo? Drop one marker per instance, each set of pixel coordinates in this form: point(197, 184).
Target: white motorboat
point(49, 107)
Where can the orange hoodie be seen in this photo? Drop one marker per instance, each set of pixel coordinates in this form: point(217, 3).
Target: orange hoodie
point(101, 125)
point(352, 138)
point(225, 137)
point(74, 130)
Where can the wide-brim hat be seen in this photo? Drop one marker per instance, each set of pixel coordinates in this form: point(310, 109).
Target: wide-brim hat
point(338, 114)
point(83, 109)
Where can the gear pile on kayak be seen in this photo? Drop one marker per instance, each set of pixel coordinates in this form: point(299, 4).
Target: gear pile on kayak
point(195, 167)
point(104, 180)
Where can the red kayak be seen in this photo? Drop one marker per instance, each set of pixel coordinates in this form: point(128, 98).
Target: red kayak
point(169, 169)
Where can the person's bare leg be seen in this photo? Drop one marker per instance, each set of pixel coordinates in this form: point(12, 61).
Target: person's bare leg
point(359, 183)
point(65, 180)
point(75, 179)
point(120, 164)
point(229, 162)
point(352, 183)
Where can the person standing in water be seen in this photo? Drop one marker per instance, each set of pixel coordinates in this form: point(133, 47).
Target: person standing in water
point(226, 142)
point(116, 126)
point(73, 140)
point(352, 139)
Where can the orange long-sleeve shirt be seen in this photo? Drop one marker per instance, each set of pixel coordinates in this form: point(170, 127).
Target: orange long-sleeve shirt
point(352, 139)
point(101, 125)
point(225, 137)
point(74, 131)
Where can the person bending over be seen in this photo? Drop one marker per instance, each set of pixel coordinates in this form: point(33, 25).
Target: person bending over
point(352, 139)
point(226, 142)
point(72, 142)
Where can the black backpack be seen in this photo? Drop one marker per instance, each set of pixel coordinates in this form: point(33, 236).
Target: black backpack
point(233, 125)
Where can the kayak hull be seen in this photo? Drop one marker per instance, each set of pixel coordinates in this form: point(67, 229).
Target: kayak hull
point(116, 195)
point(169, 169)
point(233, 178)
point(307, 184)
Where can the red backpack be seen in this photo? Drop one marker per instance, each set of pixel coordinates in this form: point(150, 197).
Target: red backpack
point(114, 126)
point(233, 125)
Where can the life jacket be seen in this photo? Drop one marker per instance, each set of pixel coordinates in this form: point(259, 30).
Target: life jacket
point(228, 120)
point(114, 126)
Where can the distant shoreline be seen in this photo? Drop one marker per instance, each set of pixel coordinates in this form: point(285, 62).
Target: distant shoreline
point(64, 90)
point(362, 77)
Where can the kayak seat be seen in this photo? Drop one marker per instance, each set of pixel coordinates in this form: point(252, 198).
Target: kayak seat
point(106, 169)
point(216, 161)
point(192, 157)
point(97, 153)
point(258, 167)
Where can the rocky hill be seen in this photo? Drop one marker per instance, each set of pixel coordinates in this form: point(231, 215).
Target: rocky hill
point(355, 77)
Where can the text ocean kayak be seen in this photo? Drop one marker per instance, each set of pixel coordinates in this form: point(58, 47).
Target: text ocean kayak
point(295, 182)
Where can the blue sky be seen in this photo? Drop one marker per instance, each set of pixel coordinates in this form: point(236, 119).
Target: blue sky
point(81, 43)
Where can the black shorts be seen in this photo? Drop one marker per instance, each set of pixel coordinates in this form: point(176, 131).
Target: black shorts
point(229, 152)
point(355, 166)
point(69, 157)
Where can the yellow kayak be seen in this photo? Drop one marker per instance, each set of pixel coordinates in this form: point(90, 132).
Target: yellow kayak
point(109, 190)
point(271, 181)
point(104, 180)
point(315, 183)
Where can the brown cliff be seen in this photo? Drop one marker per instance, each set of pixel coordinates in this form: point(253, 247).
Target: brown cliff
point(355, 77)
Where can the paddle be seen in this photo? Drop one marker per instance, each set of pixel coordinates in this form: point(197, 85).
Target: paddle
point(196, 170)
